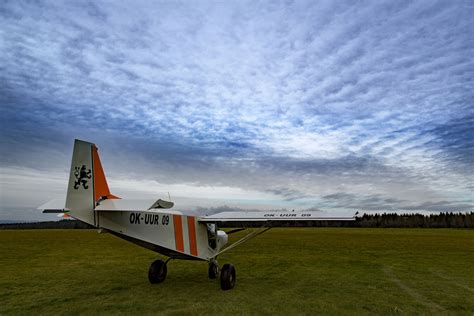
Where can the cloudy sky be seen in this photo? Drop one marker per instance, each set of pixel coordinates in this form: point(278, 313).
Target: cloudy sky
point(299, 104)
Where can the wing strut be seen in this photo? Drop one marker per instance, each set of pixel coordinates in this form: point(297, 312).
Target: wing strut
point(247, 237)
point(233, 231)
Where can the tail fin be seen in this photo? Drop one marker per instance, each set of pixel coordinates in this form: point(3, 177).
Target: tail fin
point(87, 183)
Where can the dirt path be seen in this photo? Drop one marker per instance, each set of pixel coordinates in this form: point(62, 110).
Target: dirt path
point(432, 306)
point(453, 281)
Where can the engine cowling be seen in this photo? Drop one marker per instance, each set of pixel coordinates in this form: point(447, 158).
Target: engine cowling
point(222, 238)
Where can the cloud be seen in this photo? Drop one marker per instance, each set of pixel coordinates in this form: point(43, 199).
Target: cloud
point(298, 100)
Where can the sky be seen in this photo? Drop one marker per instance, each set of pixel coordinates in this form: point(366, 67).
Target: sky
point(324, 105)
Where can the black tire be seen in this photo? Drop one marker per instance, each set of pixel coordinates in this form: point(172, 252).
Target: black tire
point(213, 271)
point(227, 277)
point(157, 272)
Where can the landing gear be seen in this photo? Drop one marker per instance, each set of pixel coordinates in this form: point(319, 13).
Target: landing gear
point(213, 271)
point(227, 274)
point(227, 277)
point(157, 271)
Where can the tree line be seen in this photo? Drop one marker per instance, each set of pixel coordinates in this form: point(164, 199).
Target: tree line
point(386, 220)
point(62, 224)
point(441, 220)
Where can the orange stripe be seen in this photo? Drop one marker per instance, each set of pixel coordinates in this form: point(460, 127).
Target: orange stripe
point(178, 232)
point(101, 187)
point(192, 236)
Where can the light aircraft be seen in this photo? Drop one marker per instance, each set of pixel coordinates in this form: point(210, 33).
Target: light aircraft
point(155, 225)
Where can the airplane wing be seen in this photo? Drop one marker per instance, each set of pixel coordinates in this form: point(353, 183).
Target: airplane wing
point(272, 216)
point(266, 220)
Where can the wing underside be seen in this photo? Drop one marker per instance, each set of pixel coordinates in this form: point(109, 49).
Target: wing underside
point(270, 217)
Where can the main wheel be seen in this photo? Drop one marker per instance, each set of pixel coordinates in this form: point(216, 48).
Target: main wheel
point(157, 272)
point(213, 270)
point(227, 277)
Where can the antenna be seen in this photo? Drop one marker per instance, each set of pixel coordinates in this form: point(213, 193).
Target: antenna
point(169, 196)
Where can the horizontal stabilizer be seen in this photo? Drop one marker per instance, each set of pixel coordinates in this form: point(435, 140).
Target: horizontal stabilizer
point(54, 206)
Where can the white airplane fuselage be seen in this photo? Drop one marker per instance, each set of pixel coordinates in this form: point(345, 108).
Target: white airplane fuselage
point(167, 232)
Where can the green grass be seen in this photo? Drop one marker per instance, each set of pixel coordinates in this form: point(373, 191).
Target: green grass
point(284, 271)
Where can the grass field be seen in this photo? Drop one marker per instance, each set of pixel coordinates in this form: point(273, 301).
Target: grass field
point(284, 271)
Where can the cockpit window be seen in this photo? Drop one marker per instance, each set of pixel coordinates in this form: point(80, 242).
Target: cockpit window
point(212, 235)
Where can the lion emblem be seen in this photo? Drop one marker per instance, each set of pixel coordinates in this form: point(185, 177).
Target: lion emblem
point(81, 174)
